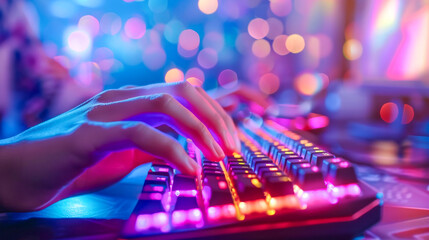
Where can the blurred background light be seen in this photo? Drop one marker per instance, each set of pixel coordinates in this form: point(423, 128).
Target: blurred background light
point(269, 83)
point(174, 75)
point(352, 49)
point(208, 6)
point(135, 28)
point(295, 43)
point(258, 28)
point(228, 78)
point(261, 48)
point(79, 41)
point(189, 39)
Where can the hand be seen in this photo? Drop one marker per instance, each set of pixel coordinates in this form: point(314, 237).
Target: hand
point(72, 153)
point(231, 98)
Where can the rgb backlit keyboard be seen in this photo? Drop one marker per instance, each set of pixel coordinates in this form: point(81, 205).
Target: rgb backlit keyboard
point(280, 186)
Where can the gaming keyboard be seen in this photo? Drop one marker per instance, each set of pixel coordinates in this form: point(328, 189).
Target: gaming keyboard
point(280, 186)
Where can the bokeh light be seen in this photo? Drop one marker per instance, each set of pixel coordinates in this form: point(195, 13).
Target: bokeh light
point(154, 57)
point(269, 83)
point(189, 39)
point(352, 49)
point(389, 112)
point(279, 45)
point(172, 31)
point(275, 27)
point(79, 41)
point(110, 23)
point(281, 8)
point(295, 43)
point(258, 28)
point(89, 24)
point(195, 76)
point(174, 75)
point(408, 114)
point(207, 58)
point(308, 84)
point(214, 40)
point(135, 28)
point(261, 48)
point(208, 6)
point(158, 6)
point(228, 78)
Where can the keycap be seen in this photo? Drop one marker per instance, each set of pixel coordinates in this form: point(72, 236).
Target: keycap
point(183, 182)
point(154, 178)
point(278, 185)
point(286, 163)
point(309, 153)
point(318, 158)
point(149, 203)
point(216, 191)
point(293, 172)
point(248, 188)
point(341, 173)
point(283, 154)
point(310, 179)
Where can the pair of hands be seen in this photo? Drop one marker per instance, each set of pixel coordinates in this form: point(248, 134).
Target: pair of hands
point(91, 146)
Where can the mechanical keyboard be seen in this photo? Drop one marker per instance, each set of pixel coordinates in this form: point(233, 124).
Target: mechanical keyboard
point(280, 186)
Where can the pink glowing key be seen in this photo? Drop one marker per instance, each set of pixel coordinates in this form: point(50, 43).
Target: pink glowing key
point(159, 219)
point(194, 215)
point(179, 217)
point(143, 222)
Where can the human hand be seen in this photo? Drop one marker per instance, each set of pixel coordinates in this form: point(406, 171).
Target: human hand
point(72, 153)
point(230, 99)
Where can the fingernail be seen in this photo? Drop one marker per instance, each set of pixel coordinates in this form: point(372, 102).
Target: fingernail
point(219, 152)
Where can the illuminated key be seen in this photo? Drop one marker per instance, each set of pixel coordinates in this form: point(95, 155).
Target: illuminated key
point(318, 158)
point(341, 173)
point(310, 178)
point(248, 187)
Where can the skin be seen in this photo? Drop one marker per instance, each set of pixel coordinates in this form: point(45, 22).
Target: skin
point(92, 146)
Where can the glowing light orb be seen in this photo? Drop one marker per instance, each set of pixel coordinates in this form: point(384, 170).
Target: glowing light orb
point(389, 112)
point(154, 57)
point(228, 78)
point(135, 28)
point(158, 6)
point(258, 28)
point(172, 30)
point(275, 27)
point(280, 8)
point(279, 45)
point(295, 43)
point(352, 49)
point(208, 6)
point(261, 48)
point(408, 114)
point(89, 24)
point(189, 39)
point(269, 83)
point(308, 84)
point(110, 23)
point(195, 76)
point(79, 41)
point(174, 75)
point(207, 58)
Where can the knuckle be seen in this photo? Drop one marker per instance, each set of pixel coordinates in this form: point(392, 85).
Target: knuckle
point(95, 111)
point(164, 100)
point(107, 96)
point(185, 87)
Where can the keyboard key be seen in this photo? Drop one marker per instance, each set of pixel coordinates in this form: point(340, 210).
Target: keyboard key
point(278, 185)
point(317, 158)
point(248, 187)
point(341, 173)
point(287, 163)
point(310, 178)
point(216, 191)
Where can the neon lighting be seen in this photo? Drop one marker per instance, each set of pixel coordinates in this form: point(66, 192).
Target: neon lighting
point(159, 219)
point(143, 222)
point(194, 215)
point(343, 190)
point(344, 164)
point(214, 213)
point(318, 122)
point(314, 169)
point(222, 185)
point(186, 193)
point(179, 217)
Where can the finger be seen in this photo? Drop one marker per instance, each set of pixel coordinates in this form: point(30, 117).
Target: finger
point(226, 118)
point(198, 105)
point(102, 138)
point(176, 116)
